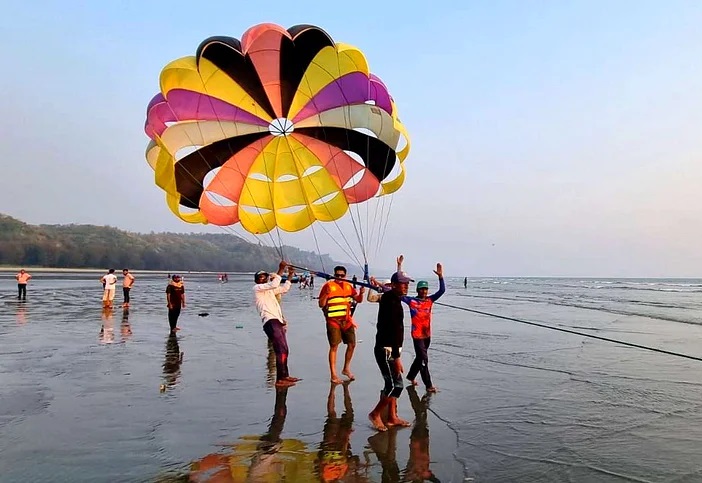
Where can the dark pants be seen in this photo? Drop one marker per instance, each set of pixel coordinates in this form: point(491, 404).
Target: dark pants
point(173, 315)
point(421, 361)
point(275, 331)
point(392, 378)
point(125, 292)
point(21, 291)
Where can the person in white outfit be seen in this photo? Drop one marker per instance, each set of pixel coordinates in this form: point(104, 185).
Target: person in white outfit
point(109, 282)
point(265, 291)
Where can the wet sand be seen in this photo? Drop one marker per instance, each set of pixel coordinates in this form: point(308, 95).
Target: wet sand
point(93, 395)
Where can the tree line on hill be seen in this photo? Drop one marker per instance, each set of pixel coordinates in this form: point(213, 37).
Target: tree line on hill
point(90, 246)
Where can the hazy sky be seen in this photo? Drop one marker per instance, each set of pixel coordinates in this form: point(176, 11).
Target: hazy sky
point(548, 138)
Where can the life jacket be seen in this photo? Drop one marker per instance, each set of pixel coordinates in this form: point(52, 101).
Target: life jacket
point(339, 304)
point(420, 311)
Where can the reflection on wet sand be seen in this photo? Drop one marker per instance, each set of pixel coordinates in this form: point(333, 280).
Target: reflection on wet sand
point(21, 313)
point(270, 458)
point(107, 330)
point(172, 362)
point(270, 365)
point(335, 460)
point(125, 328)
point(418, 462)
point(384, 446)
point(264, 458)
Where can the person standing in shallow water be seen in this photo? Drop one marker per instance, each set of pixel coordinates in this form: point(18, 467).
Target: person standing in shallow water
point(265, 290)
point(388, 347)
point(175, 300)
point(336, 300)
point(23, 279)
point(420, 311)
point(109, 284)
point(127, 282)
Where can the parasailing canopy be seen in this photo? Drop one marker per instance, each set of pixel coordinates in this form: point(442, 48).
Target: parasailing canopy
point(278, 130)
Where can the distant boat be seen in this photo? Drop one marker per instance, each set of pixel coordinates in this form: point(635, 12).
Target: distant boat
point(295, 278)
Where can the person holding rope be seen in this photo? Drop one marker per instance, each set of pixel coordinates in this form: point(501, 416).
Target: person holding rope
point(388, 347)
point(336, 301)
point(265, 293)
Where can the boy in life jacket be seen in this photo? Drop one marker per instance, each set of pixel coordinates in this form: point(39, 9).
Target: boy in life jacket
point(335, 300)
point(420, 311)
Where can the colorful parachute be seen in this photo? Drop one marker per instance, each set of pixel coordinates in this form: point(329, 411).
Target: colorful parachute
point(280, 129)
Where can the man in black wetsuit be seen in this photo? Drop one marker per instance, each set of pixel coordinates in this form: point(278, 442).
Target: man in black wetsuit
point(388, 346)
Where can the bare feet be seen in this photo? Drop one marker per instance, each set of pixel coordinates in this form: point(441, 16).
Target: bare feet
point(376, 422)
point(348, 374)
point(284, 383)
point(412, 381)
point(397, 422)
point(292, 379)
point(433, 389)
point(336, 380)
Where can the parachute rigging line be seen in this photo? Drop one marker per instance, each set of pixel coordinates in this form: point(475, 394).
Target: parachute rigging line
point(575, 332)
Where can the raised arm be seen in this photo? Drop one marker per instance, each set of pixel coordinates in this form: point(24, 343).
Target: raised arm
point(442, 286)
point(275, 282)
point(286, 286)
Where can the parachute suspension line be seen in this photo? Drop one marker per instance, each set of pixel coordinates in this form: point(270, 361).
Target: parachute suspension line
point(350, 254)
point(382, 226)
point(385, 227)
point(219, 123)
point(319, 252)
point(297, 167)
point(575, 332)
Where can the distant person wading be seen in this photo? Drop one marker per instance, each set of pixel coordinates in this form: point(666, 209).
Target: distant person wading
point(22, 279)
point(127, 282)
point(109, 284)
point(175, 300)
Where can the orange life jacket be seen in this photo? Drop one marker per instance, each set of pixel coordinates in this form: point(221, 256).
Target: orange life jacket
point(338, 308)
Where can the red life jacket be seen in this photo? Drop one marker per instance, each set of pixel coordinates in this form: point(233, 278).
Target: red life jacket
point(420, 310)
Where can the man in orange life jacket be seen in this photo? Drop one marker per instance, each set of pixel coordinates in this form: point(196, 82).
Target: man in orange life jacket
point(335, 300)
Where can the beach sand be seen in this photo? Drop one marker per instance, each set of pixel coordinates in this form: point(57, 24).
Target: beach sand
point(99, 396)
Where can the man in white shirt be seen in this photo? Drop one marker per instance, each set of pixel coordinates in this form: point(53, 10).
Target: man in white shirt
point(265, 292)
point(109, 282)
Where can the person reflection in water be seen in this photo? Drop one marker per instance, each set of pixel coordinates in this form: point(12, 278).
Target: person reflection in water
point(172, 362)
point(107, 330)
point(384, 446)
point(335, 460)
point(21, 314)
point(257, 458)
point(418, 462)
point(125, 328)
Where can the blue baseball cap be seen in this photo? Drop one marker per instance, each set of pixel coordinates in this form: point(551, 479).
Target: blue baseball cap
point(400, 277)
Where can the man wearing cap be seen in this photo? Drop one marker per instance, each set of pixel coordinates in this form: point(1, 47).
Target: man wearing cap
point(420, 311)
point(336, 300)
point(265, 292)
point(384, 286)
point(388, 347)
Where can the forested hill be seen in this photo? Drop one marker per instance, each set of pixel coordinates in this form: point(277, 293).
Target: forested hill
point(90, 246)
